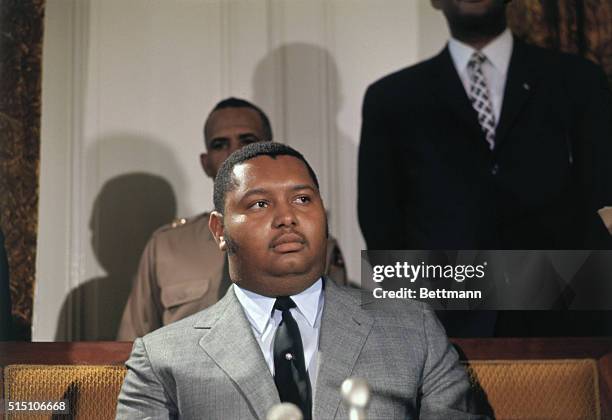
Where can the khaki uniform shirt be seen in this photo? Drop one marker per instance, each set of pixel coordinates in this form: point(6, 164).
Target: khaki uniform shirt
point(181, 273)
point(606, 215)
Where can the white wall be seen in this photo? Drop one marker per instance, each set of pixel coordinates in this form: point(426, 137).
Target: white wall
point(126, 87)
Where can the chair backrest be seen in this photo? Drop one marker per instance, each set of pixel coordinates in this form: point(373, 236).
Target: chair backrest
point(516, 389)
point(546, 389)
point(521, 378)
point(91, 391)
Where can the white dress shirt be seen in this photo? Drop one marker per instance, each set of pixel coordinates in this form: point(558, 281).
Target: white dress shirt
point(307, 314)
point(495, 68)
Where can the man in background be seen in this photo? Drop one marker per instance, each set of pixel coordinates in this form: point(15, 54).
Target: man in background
point(182, 270)
point(491, 144)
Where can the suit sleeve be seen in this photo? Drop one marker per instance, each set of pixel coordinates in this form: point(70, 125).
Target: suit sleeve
point(143, 311)
point(142, 394)
point(594, 137)
point(378, 202)
point(445, 388)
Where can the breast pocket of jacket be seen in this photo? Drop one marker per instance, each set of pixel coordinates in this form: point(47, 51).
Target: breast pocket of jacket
point(184, 293)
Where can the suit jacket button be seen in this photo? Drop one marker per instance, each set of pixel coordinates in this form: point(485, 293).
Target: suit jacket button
point(495, 169)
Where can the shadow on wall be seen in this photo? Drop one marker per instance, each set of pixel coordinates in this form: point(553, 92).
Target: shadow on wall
point(126, 211)
point(298, 85)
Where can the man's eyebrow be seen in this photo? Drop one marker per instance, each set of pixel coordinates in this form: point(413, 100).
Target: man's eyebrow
point(254, 191)
point(249, 134)
point(263, 191)
point(302, 187)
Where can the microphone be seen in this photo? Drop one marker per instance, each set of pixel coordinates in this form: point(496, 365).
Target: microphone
point(356, 396)
point(284, 411)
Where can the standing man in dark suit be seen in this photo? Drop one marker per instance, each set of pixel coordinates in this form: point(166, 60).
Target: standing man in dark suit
point(491, 144)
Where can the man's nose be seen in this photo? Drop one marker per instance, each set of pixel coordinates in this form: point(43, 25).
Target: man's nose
point(284, 215)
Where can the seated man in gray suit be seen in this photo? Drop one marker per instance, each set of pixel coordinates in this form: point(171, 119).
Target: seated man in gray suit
point(283, 332)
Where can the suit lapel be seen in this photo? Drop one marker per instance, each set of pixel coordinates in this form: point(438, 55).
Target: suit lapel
point(448, 88)
point(231, 344)
point(344, 329)
point(520, 85)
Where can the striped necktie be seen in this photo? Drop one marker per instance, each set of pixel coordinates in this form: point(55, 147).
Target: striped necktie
point(480, 98)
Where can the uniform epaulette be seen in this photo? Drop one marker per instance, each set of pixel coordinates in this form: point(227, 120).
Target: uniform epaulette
point(179, 221)
point(182, 221)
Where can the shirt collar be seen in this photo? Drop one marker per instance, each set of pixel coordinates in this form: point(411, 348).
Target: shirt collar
point(498, 52)
point(258, 308)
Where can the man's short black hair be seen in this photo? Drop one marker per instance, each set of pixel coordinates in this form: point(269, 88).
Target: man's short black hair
point(242, 103)
point(224, 182)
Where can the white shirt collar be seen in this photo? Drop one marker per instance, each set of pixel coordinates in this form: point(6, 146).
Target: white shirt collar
point(498, 52)
point(258, 308)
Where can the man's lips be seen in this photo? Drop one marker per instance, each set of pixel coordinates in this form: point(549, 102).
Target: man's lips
point(288, 242)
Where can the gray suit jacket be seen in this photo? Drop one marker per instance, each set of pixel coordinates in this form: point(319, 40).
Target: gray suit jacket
point(209, 366)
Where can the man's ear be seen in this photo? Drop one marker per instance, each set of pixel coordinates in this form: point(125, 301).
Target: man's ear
point(215, 224)
point(206, 165)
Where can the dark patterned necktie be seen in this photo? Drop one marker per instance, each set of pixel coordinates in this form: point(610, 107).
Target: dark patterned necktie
point(480, 98)
point(290, 374)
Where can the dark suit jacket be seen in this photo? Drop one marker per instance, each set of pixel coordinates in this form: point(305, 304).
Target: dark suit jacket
point(427, 179)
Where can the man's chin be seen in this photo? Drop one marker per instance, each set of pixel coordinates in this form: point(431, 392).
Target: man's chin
point(290, 268)
point(474, 9)
point(292, 271)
